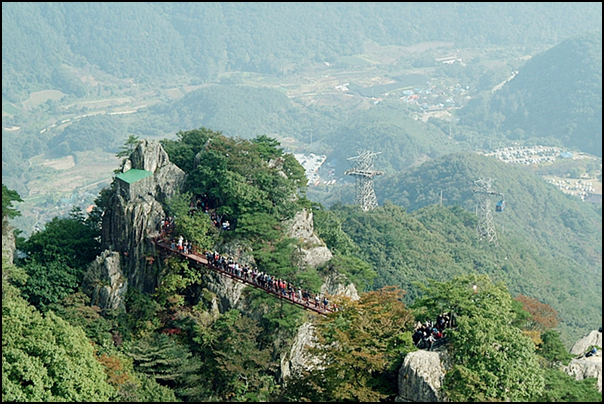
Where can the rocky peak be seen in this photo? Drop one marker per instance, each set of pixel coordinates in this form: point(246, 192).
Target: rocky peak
point(150, 156)
point(421, 376)
point(132, 218)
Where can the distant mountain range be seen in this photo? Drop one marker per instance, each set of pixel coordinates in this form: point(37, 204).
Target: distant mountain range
point(557, 95)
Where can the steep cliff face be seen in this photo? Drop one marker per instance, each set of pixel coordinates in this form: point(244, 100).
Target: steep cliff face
point(585, 367)
point(128, 225)
point(299, 358)
point(421, 375)
point(105, 282)
point(314, 252)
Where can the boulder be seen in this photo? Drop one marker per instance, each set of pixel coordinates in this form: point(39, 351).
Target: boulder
point(583, 368)
point(583, 344)
point(421, 375)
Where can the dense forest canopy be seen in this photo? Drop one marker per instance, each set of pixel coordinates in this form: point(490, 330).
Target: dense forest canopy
point(206, 39)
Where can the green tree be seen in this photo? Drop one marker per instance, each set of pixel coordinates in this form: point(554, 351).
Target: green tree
point(561, 387)
point(128, 147)
point(492, 359)
point(235, 367)
point(67, 239)
point(361, 348)
point(8, 197)
point(553, 349)
point(46, 359)
point(50, 282)
point(163, 358)
point(195, 226)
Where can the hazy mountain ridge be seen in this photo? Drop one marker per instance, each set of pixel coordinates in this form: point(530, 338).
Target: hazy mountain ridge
point(557, 95)
point(534, 207)
point(151, 40)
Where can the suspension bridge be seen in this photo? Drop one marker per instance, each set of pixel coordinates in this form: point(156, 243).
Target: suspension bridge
point(200, 260)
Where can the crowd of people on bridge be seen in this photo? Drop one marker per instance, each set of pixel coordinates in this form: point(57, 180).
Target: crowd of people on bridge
point(268, 282)
point(247, 273)
point(430, 333)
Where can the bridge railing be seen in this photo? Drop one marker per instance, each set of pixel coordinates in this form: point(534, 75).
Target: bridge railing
point(198, 258)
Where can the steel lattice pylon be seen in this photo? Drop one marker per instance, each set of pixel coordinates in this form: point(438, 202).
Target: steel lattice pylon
point(486, 225)
point(363, 172)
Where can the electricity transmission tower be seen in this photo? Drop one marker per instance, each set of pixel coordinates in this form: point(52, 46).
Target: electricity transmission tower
point(363, 172)
point(486, 226)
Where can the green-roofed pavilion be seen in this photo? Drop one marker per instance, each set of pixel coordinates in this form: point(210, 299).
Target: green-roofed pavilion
point(134, 183)
point(134, 175)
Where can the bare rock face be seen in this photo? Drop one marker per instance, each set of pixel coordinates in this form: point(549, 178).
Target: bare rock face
point(228, 292)
point(105, 282)
point(149, 155)
point(314, 252)
point(421, 376)
point(240, 252)
point(131, 220)
point(127, 228)
point(585, 367)
point(8, 241)
point(338, 284)
point(582, 345)
point(299, 359)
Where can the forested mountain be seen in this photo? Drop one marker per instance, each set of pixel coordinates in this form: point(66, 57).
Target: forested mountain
point(554, 234)
point(563, 224)
point(440, 243)
point(149, 41)
point(391, 130)
point(556, 96)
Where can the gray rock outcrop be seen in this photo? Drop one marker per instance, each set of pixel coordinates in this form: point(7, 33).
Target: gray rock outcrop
point(228, 292)
point(149, 155)
point(105, 282)
point(299, 359)
point(338, 284)
point(583, 344)
point(313, 252)
point(421, 375)
point(132, 219)
point(8, 241)
point(585, 367)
